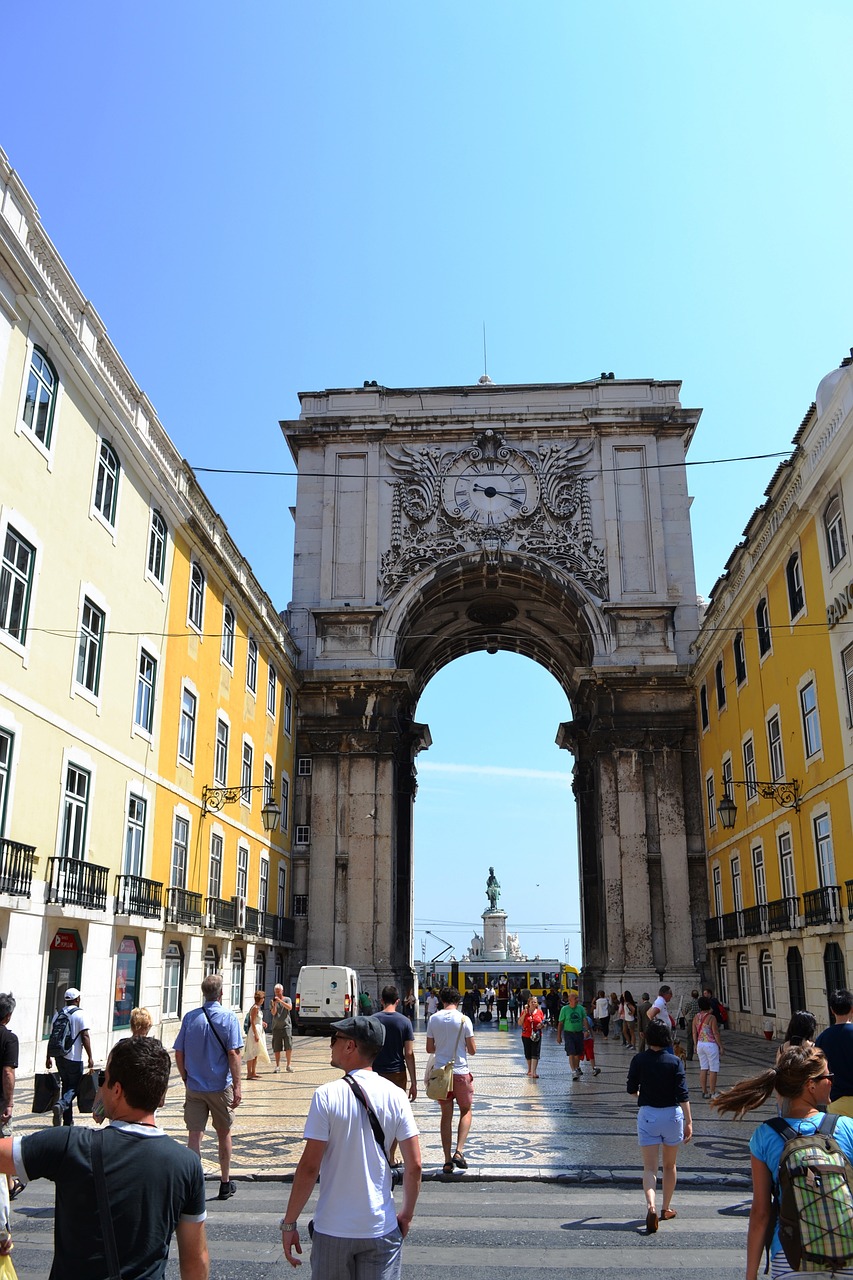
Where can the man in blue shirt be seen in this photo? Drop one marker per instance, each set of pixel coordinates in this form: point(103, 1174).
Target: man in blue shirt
point(208, 1057)
point(837, 1043)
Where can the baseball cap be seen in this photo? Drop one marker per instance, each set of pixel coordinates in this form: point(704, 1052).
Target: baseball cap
point(367, 1030)
point(71, 993)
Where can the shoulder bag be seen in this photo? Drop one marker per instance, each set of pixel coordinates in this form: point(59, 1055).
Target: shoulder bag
point(440, 1079)
point(376, 1127)
point(100, 1180)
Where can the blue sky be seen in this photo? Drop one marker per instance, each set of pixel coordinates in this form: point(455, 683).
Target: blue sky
point(268, 198)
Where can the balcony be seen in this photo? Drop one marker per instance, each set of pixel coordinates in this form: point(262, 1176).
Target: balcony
point(848, 884)
point(74, 883)
point(285, 929)
point(782, 914)
point(732, 924)
point(823, 906)
point(16, 867)
point(755, 920)
point(221, 914)
point(136, 896)
point(184, 907)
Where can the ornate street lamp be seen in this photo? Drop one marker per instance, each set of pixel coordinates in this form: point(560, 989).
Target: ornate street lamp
point(215, 798)
point(785, 794)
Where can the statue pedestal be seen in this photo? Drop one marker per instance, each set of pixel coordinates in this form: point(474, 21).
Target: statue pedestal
point(494, 934)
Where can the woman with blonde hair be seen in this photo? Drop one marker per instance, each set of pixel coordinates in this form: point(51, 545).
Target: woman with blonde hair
point(140, 1022)
point(801, 1083)
point(256, 1041)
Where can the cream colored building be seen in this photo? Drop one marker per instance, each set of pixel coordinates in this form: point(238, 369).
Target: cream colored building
point(94, 498)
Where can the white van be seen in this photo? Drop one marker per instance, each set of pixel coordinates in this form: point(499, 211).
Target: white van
point(325, 993)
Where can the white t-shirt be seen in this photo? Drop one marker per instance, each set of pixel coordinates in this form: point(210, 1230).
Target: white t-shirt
point(431, 1004)
point(660, 1011)
point(444, 1028)
point(602, 1007)
point(356, 1201)
point(79, 1024)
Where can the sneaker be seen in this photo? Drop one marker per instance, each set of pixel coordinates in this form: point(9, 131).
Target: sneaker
point(576, 1075)
point(596, 1071)
point(57, 1114)
point(227, 1190)
point(715, 1095)
point(276, 1071)
point(290, 1069)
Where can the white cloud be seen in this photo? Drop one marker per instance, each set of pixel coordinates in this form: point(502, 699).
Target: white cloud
point(497, 771)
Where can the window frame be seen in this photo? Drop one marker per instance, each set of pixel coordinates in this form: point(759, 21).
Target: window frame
point(775, 750)
point(759, 874)
point(704, 713)
point(214, 879)
point(7, 767)
point(264, 884)
point(739, 654)
point(750, 775)
point(281, 892)
point(720, 684)
point(847, 673)
point(824, 861)
point(288, 710)
point(285, 802)
point(11, 574)
point(744, 999)
point(105, 491)
point(89, 643)
point(221, 745)
point(173, 966)
point(80, 806)
point(787, 866)
point(247, 766)
point(241, 874)
point(134, 828)
point(268, 792)
point(272, 690)
point(723, 977)
point(158, 542)
point(229, 636)
point(176, 863)
point(717, 889)
point(810, 718)
point(300, 906)
point(834, 532)
point(768, 986)
point(238, 977)
point(304, 766)
point(764, 631)
point(796, 976)
point(795, 585)
point(188, 761)
point(302, 833)
point(252, 665)
point(710, 800)
point(195, 596)
point(737, 883)
point(44, 445)
point(145, 728)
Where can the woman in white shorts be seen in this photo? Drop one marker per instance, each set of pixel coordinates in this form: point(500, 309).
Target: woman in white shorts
point(709, 1046)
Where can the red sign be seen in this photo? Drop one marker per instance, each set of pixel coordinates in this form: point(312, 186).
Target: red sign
point(64, 941)
point(127, 946)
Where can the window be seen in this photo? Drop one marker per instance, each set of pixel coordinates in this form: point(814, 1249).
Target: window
point(242, 871)
point(718, 891)
point(728, 787)
point(288, 711)
point(106, 484)
point(260, 970)
point(786, 865)
point(285, 803)
point(186, 737)
point(703, 706)
point(252, 665)
point(740, 658)
point(303, 835)
point(737, 886)
point(762, 625)
point(75, 812)
point(7, 742)
point(211, 960)
point(173, 973)
point(300, 904)
point(723, 979)
point(16, 582)
point(264, 885)
point(269, 784)
point(134, 836)
point(749, 767)
point(272, 682)
point(847, 664)
point(833, 523)
point(811, 723)
point(720, 682)
point(180, 851)
point(833, 968)
point(40, 400)
point(824, 851)
point(768, 995)
point(195, 607)
point(157, 547)
point(758, 876)
point(89, 647)
point(774, 742)
point(214, 874)
point(303, 766)
point(127, 983)
point(796, 979)
point(711, 801)
point(220, 753)
point(281, 897)
point(743, 981)
point(146, 681)
point(238, 966)
point(246, 774)
point(229, 626)
point(794, 579)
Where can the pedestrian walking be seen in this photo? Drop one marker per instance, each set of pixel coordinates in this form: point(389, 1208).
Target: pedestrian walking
point(8, 1067)
point(451, 1038)
point(601, 1010)
point(356, 1231)
point(68, 1041)
point(282, 1028)
point(570, 1028)
point(207, 1055)
point(800, 1031)
point(629, 1020)
point(395, 1061)
point(656, 1078)
point(837, 1043)
point(705, 1035)
point(155, 1186)
point(685, 1021)
point(532, 1021)
point(801, 1081)
point(643, 1009)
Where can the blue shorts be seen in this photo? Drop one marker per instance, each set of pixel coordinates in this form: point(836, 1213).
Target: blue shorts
point(660, 1124)
point(573, 1041)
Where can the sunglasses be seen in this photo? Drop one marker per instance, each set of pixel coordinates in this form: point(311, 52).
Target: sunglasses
point(827, 1075)
point(336, 1035)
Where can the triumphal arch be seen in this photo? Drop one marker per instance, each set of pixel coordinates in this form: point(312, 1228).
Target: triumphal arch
point(550, 520)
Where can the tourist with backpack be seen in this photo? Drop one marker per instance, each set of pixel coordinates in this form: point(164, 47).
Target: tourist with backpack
point(69, 1037)
point(802, 1176)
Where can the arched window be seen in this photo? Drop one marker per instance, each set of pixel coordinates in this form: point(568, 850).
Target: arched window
point(794, 579)
point(211, 960)
point(768, 993)
point(833, 523)
point(743, 981)
point(173, 980)
point(833, 968)
point(260, 970)
point(740, 658)
point(106, 485)
point(796, 979)
point(195, 608)
point(41, 397)
point(157, 547)
point(762, 625)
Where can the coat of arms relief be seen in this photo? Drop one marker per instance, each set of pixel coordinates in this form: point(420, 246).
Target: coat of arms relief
point(491, 497)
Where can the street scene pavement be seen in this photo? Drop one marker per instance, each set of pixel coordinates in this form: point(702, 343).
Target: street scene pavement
point(553, 1181)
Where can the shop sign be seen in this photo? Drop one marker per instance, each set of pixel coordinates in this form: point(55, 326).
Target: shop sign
point(64, 941)
point(837, 608)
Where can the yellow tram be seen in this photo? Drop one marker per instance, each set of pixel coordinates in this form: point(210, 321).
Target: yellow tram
point(537, 976)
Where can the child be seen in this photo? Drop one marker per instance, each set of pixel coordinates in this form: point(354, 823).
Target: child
point(589, 1044)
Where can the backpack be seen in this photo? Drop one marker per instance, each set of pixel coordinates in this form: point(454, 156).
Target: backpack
point(247, 1022)
point(61, 1039)
point(813, 1199)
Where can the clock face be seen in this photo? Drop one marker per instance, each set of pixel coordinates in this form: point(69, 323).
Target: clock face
point(491, 491)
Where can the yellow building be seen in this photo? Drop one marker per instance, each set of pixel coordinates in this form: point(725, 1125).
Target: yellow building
point(775, 737)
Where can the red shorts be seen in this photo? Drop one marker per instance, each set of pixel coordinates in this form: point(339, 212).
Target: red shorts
point(462, 1092)
point(589, 1050)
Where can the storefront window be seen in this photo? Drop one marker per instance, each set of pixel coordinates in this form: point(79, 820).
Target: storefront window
point(211, 961)
point(237, 968)
point(63, 971)
point(127, 982)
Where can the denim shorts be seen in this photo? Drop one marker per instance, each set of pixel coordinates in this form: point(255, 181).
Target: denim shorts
point(660, 1124)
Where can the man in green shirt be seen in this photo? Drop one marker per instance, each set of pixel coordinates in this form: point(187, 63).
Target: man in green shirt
point(570, 1025)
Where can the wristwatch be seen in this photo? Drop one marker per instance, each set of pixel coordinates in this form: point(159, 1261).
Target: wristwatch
point(283, 1225)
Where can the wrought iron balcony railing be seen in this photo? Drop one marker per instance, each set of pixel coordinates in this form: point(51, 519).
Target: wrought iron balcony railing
point(713, 929)
point(848, 884)
point(221, 913)
point(184, 907)
point(733, 924)
point(783, 914)
point(16, 867)
point(755, 920)
point(823, 906)
point(285, 929)
point(72, 882)
point(136, 896)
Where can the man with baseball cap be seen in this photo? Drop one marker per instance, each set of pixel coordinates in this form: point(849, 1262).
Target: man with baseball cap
point(70, 1063)
point(351, 1125)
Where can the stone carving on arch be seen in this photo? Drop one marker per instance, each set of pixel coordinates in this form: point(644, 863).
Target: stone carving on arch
point(547, 513)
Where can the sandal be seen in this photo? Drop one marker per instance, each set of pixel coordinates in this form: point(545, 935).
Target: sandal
point(460, 1161)
point(651, 1222)
point(16, 1188)
point(667, 1214)
point(448, 1168)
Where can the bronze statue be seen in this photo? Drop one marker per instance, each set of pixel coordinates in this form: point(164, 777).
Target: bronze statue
point(493, 889)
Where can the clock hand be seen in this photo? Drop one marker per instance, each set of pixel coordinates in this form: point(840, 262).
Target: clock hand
point(491, 492)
